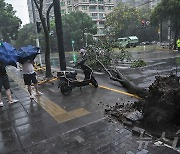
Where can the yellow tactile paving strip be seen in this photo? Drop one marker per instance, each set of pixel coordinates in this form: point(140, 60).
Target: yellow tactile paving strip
point(45, 81)
point(58, 113)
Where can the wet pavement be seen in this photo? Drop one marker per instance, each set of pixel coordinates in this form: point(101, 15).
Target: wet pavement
point(57, 124)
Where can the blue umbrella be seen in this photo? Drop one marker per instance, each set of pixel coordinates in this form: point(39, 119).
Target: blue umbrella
point(27, 53)
point(8, 54)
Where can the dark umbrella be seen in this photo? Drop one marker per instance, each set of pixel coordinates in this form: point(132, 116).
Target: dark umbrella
point(27, 53)
point(8, 54)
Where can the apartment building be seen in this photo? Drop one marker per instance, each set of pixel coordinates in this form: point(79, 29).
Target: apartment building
point(138, 3)
point(96, 9)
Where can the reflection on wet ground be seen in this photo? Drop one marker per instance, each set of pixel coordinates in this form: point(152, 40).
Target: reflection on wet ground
point(27, 127)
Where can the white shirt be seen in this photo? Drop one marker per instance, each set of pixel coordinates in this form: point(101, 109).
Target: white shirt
point(27, 68)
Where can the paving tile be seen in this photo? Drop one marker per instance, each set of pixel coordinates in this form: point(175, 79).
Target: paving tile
point(8, 134)
point(51, 148)
point(46, 123)
point(39, 116)
point(72, 124)
point(44, 151)
point(26, 129)
point(26, 102)
point(5, 118)
point(18, 151)
point(13, 110)
point(103, 148)
point(88, 150)
point(31, 138)
point(31, 105)
point(13, 106)
point(18, 115)
point(5, 125)
point(2, 110)
point(89, 118)
point(53, 131)
point(9, 146)
point(24, 99)
point(22, 121)
point(35, 110)
point(21, 94)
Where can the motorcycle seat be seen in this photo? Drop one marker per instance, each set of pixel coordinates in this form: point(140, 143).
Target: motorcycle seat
point(67, 73)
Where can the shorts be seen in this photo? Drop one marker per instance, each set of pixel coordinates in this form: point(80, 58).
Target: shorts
point(30, 78)
point(4, 81)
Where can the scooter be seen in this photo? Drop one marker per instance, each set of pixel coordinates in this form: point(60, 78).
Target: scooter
point(68, 80)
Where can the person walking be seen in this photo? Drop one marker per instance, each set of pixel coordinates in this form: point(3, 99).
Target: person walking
point(178, 44)
point(29, 76)
point(4, 82)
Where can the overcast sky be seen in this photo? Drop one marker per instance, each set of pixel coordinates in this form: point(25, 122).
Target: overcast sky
point(21, 9)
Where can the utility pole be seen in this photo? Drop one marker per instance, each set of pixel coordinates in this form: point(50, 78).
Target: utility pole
point(35, 24)
point(59, 32)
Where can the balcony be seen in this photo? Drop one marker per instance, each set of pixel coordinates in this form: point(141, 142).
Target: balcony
point(92, 2)
point(94, 17)
point(93, 10)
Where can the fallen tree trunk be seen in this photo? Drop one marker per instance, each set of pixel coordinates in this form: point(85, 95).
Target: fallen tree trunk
point(159, 104)
point(116, 75)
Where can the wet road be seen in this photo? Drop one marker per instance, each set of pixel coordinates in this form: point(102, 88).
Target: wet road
point(55, 123)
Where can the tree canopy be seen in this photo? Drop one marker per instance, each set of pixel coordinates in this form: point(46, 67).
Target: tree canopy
point(75, 25)
point(26, 36)
point(10, 23)
point(122, 19)
point(168, 10)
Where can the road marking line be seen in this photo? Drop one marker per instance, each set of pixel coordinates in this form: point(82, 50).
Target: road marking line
point(119, 91)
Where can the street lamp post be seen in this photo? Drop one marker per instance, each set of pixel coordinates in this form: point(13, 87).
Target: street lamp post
point(85, 33)
point(86, 38)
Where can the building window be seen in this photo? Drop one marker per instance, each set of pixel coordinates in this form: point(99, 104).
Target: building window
point(69, 9)
point(101, 22)
point(84, 0)
point(92, 8)
point(100, 1)
point(63, 11)
point(92, 1)
point(84, 7)
point(69, 2)
point(62, 3)
point(110, 8)
point(101, 8)
point(109, 1)
point(101, 16)
point(93, 15)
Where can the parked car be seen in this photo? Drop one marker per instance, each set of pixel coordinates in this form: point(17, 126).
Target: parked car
point(130, 41)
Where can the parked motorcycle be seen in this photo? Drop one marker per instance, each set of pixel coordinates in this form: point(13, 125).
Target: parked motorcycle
point(68, 79)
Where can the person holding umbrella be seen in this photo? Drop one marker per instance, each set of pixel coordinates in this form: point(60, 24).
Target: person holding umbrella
point(8, 56)
point(29, 76)
point(27, 56)
point(4, 81)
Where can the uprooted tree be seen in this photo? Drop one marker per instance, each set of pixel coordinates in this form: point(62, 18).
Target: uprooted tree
point(159, 104)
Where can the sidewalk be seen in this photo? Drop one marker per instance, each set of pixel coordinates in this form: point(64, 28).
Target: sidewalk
point(25, 127)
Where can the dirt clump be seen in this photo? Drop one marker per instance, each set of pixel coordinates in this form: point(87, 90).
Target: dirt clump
point(160, 107)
